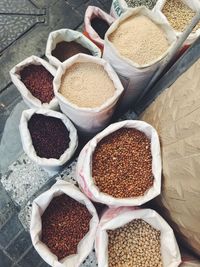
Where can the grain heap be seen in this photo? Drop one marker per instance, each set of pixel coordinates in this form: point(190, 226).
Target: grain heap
point(122, 164)
point(136, 3)
point(64, 223)
point(135, 244)
point(139, 39)
point(86, 85)
point(65, 50)
point(100, 26)
point(178, 14)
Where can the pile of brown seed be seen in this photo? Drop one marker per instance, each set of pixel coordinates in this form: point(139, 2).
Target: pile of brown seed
point(178, 14)
point(122, 164)
point(137, 244)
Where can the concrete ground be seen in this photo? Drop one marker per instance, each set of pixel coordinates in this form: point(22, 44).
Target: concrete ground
point(26, 25)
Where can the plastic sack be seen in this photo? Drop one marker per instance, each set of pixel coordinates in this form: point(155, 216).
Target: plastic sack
point(93, 12)
point(68, 36)
point(117, 217)
point(88, 120)
point(84, 166)
point(192, 4)
point(118, 7)
point(133, 76)
point(28, 98)
point(40, 204)
point(51, 165)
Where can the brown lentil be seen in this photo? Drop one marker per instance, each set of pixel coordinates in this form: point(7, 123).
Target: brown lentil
point(178, 14)
point(49, 135)
point(122, 164)
point(87, 85)
point(139, 39)
point(64, 223)
point(137, 244)
point(136, 3)
point(65, 50)
point(38, 81)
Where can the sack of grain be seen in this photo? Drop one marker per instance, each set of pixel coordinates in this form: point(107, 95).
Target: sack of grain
point(96, 23)
point(135, 237)
point(120, 6)
point(33, 77)
point(135, 46)
point(128, 149)
point(179, 14)
point(87, 89)
point(176, 116)
point(65, 43)
point(48, 138)
point(63, 225)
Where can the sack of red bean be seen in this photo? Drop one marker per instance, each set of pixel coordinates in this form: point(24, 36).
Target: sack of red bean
point(48, 138)
point(135, 237)
point(87, 89)
point(96, 25)
point(33, 77)
point(121, 166)
point(63, 225)
point(178, 14)
point(135, 45)
point(65, 43)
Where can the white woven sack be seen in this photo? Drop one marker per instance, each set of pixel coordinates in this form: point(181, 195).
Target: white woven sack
point(118, 7)
point(68, 35)
point(88, 120)
point(133, 76)
point(28, 98)
point(194, 5)
point(117, 217)
point(40, 204)
point(50, 165)
point(90, 13)
point(84, 166)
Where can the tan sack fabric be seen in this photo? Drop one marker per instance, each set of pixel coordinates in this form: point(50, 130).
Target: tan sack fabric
point(175, 114)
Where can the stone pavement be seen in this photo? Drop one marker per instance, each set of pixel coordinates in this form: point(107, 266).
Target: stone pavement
point(26, 25)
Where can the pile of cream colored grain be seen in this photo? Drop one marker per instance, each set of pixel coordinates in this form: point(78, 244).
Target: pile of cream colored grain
point(139, 39)
point(87, 85)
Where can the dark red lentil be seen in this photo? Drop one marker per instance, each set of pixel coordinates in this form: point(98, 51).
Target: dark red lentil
point(49, 135)
point(100, 26)
point(122, 164)
point(38, 81)
point(64, 223)
point(65, 50)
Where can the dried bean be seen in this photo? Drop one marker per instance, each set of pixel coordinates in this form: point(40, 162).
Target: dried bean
point(64, 223)
point(38, 81)
point(122, 164)
point(100, 26)
point(135, 3)
point(50, 136)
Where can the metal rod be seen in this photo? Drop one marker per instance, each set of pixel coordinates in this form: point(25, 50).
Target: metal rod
point(171, 54)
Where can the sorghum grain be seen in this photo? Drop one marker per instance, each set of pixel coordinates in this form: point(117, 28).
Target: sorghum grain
point(137, 244)
point(100, 26)
point(65, 50)
point(64, 223)
point(87, 85)
point(135, 3)
point(49, 135)
point(38, 81)
point(122, 164)
point(178, 14)
point(139, 39)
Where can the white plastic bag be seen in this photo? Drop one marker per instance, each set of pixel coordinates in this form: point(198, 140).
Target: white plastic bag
point(192, 4)
point(84, 166)
point(118, 7)
point(68, 36)
point(117, 217)
point(133, 76)
point(93, 12)
point(39, 206)
point(88, 120)
point(28, 98)
point(51, 165)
